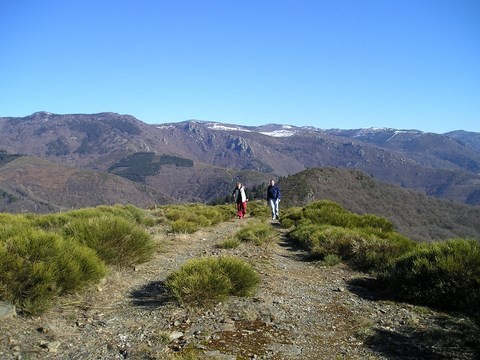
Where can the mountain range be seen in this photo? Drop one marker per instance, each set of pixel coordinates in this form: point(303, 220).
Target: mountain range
point(50, 162)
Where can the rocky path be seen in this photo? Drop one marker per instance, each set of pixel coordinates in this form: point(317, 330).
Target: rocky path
point(300, 311)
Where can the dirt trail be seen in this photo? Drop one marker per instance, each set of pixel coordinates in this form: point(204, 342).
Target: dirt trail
point(300, 311)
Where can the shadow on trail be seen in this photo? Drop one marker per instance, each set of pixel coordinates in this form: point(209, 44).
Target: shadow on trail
point(442, 338)
point(153, 294)
point(295, 250)
point(418, 337)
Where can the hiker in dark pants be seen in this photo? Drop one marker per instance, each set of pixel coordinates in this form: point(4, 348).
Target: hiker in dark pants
point(273, 198)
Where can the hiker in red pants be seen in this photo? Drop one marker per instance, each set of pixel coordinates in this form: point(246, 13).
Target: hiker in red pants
point(240, 198)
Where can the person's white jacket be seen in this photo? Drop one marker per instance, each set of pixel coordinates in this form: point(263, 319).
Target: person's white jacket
point(243, 195)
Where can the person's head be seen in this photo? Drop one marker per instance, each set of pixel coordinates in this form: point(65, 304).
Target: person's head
point(239, 185)
point(272, 182)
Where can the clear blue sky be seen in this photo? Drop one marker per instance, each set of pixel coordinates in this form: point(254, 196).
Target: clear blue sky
point(406, 64)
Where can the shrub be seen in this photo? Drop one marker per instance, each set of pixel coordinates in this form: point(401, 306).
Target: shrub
point(259, 209)
point(331, 260)
point(37, 266)
point(116, 240)
point(43, 256)
point(376, 254)
point(259, 234)
point(193, 217)
point(28, 271)
point(129, 212)
point(329, 213)
point(58, 220)
point(291, 217)
point(242, 276)
point(206, 280)
point(79, 266)
point(184, 226)
point(12, 225)
point(50, 221)
point(366, 242)
point(444, 274)
point(229, 243)
point(359, 248)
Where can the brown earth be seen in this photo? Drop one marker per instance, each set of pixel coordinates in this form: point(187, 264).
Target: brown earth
point(302, 310)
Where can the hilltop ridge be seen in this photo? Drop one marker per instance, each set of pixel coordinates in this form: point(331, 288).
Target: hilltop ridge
point(302, 310)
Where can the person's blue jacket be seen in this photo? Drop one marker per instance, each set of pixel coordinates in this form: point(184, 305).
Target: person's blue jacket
point(273, 192)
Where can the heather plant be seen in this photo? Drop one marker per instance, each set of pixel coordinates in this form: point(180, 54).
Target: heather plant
point(331, 260)
point(44, 256)
point(186, 226)
point(203, 281)
point(37, 266)
point(329, 213)
point(291, 217)
point(193, 217)
point(257, 233)
point(51, 222)
point(258, 209)
point(321, 240)
point(229, 243)
point(13, 220)
point(242, 276)
point(375, 254)
point(137, 215)
point(115, 239)
point(79, 266)
point(445, 274)
point(58, 220)
point(12, 225)
point(366, 242)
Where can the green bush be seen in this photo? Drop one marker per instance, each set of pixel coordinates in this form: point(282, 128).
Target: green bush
point(79, 266)
point(242, 276)
point(259, 234)
point(258, 209)
point(37, 266)
point(229, 243)
point(116, 240)
point(376, 254)
point(50, 221)
point(291, 217)
point(129, 212)
point(43, 256)
point(331, 260)
point(207, 280)
point(184, 226)
point(445, 274)
point(357, 247)
point(58, 220)
point(193, 217)
point(12, 225)
point(329, 213)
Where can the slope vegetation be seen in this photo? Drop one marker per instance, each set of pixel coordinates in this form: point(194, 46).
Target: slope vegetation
point(414, 214)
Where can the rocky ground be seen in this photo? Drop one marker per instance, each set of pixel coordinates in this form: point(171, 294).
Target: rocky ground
point(301, 311)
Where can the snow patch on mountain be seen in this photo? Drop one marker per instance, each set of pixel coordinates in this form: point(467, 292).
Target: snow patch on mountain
point(217, 126)
point(279, 133)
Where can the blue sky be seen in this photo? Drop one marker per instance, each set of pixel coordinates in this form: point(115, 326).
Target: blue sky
point(406, 64)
